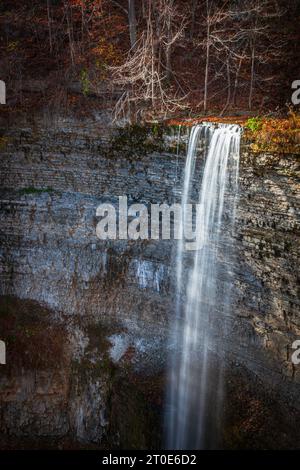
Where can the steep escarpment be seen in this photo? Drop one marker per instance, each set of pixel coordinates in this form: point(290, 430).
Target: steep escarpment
point(54, 184)
point(114, 300)
point(267, 234)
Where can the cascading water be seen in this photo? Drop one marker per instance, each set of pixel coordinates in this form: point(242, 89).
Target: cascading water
point(196, 391)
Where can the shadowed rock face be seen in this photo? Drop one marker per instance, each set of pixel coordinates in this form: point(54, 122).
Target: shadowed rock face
point(113, 301)
point(64, 387)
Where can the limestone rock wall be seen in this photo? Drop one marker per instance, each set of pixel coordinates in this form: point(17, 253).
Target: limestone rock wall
point(51, 183)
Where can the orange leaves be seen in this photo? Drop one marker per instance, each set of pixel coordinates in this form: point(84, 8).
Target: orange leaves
point(105, 53)
point(277, 135)
point(272, 135)
point(85, 4)
point(193, 121)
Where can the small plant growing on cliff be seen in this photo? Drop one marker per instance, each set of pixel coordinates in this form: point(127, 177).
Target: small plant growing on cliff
point(254, 124)
point(85, 82)
point(32, 190)
point(275, 134)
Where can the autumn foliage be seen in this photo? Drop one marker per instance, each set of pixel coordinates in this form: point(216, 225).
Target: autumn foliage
point(149, 58)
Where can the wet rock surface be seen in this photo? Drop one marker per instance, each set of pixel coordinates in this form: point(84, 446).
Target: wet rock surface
point(114, 300)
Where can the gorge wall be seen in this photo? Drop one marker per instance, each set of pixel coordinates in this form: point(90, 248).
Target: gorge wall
point(101, 309)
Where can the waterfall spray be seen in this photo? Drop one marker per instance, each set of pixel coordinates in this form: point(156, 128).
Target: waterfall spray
point(196, 390)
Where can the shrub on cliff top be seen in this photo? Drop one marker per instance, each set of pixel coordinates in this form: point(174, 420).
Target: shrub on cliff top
point(254, 123)
point(275, 135)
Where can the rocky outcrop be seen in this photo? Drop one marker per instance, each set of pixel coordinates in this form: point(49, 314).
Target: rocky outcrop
point(114, 300)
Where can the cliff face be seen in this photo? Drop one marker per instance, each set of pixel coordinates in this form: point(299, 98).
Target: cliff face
point(113, 301)
point(266, 298)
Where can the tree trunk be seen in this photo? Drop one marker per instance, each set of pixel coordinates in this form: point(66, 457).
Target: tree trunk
point(228, 87)
point(70, 32)
point(252, 77)
point(168, 63)
point(82, 22)
point(194, 4)
point(49, 26)
point(132, 22)
point(207, 57)
point(168, 50)
point(236, 80)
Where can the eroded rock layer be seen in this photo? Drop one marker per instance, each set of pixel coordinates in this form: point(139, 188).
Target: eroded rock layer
point(105, 306)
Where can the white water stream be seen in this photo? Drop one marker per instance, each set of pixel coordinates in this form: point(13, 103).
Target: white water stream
point(196, 391)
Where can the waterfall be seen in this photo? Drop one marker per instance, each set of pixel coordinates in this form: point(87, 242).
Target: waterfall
point(196, 391)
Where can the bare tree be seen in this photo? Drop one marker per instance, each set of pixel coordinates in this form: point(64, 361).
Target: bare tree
point(237, 70)
point(132, 21)
point(228, 48)
point(144, 75)
point(215, 15)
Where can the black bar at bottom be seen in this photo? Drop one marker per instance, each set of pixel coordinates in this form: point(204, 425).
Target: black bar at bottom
point(135, 459)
